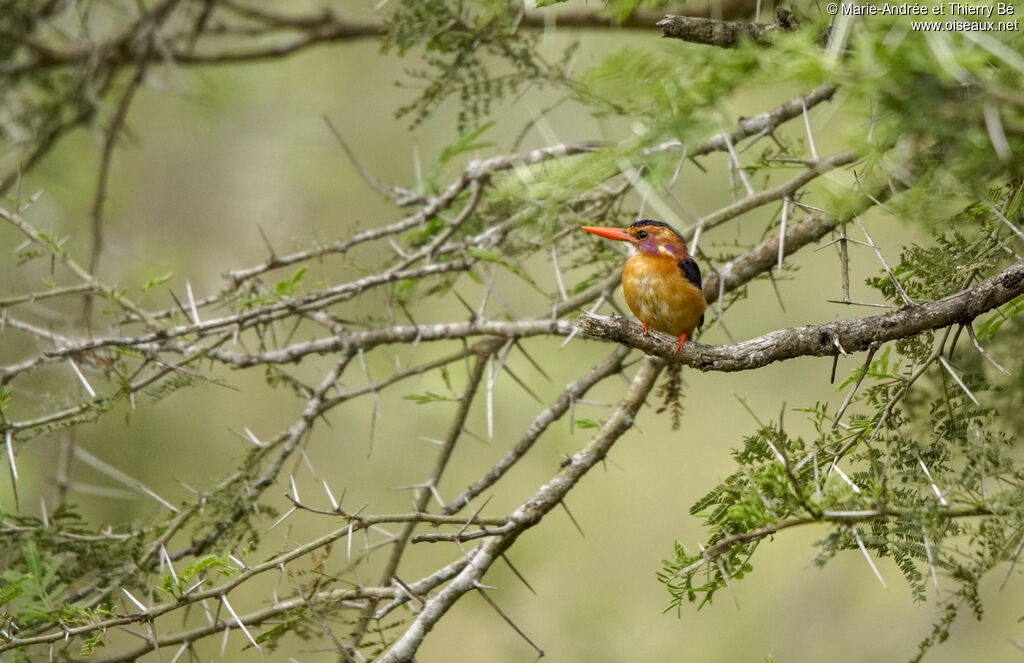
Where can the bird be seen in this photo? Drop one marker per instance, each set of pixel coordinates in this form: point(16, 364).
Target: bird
point(661, 282)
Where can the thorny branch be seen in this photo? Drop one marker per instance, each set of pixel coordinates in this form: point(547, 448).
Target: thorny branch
point(168, 340)
point(723, 34)
point(726, 543)
point(819, 340)
point(291, 33)
point(529, 513)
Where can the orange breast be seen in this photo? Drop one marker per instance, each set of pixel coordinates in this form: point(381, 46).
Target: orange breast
point(658, 294)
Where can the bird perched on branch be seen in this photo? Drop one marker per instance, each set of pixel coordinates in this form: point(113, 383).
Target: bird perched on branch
point(660, 281)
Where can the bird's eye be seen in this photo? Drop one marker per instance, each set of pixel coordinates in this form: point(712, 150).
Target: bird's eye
point(643, 234)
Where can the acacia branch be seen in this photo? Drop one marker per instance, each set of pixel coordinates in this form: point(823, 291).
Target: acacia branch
point(304, 31)
point(480, 171)
point(355, 524)
point(423, 498)
point(777, 192)
point(723, 34)
point(727, 543)
point(529, 514)
point(574, 390)
point(757, 125)
point(817, 340)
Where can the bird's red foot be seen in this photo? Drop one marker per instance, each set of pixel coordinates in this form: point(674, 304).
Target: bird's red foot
point(679, 345)
point(646, 327)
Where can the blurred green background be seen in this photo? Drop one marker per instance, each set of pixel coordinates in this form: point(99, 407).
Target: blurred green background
point(218, 152)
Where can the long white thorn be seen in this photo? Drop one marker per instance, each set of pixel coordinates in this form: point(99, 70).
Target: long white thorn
point(119, 476)
point(845, 478)
point(167, 561)
point(949, 369)
point(181, 650)
point(782, 233)
point(871, 562)
point(736, 164)
point(134, 600)
point(558, 274)
point(992, 208)
point(935, 488)
point(931, 562)
point(810, 136)
point(241, 625)
point(996, 134)
point(282, 518)
point(192, 303)
point(81, 378)
point(9, 442)
point(249, 436)
point(330, 495)
point(490, 398)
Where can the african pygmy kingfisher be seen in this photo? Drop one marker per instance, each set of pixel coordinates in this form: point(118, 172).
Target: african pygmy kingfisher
point(660, 281)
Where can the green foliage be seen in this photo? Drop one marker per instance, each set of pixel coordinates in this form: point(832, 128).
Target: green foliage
point(156, 281)
point(39, 583)
point(86, 411)
point(467, 141)
point(290, 285)
point(28, 254)
point(675, 91)
point(296, 622)
point(460, 41)
point(428, 397)
point(174, 585)
point(44, 561)
point(972, 246)
point(6, 393)
point(485, 255)
point(228, 512)
point(991, 325)
point(916, 471)
point(91, 642)
point(170, 385)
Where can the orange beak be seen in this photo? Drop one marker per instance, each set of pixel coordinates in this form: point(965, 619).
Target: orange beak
point(610, 233)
